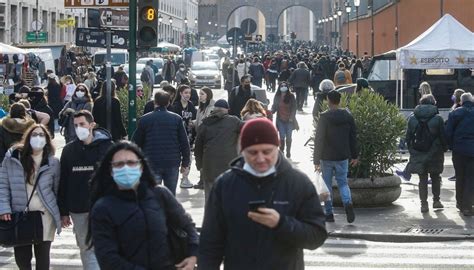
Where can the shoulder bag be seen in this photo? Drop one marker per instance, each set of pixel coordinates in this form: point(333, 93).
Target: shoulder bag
point(24, 228)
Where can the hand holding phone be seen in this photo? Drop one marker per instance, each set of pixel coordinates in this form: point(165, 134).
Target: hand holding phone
point(254, 205)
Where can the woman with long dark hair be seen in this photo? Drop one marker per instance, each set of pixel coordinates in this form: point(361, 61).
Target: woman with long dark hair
point(28, 163)
point(81, 100)
point(284, 104)
point(129, 215)
point(99, 112)
point(206, 105)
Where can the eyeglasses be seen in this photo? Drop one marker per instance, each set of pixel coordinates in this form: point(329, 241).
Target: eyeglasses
point(35, 134)
point(80, 90)
point(129, 163)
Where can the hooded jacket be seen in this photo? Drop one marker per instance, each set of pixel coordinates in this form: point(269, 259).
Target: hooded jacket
point(335, 138)
point(129, 228)
point(78, 162)
point(11, 132)
point(431, 161)
point(76, 104)
point(229, 235)
point(460, 130)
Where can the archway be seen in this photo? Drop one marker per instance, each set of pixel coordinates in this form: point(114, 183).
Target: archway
point(299, 20)
point(238, 15)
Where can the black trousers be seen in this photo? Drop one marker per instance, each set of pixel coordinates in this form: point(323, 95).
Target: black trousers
point(464, 169)
point(300, 97)
point(24, 254)
point(435, 187)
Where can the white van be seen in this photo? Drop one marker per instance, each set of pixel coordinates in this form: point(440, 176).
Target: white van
point(118, 56)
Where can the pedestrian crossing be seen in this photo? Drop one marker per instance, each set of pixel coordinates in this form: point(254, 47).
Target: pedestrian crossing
point(334, 254)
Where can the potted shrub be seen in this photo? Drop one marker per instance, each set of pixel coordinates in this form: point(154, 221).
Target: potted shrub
point(379, 126)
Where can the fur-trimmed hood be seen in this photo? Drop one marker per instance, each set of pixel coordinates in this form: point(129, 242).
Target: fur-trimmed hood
point(17, 125)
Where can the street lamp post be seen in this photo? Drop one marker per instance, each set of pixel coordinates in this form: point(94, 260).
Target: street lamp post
point(356, 5)
point(348, 11)
point(330, 28)
point(335, 29)
point(171, 29)
point(339, 14)
point(160, 27)
point(396, 24)
point(217, 31)
point(185, 31)
point(372, 31)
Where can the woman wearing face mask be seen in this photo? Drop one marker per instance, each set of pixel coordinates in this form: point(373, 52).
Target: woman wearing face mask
point(185, 108)
point(128, 221)
point(70, 88)
point(181, 74)
point(81, 100)
point(284, 105)
point(30, 163)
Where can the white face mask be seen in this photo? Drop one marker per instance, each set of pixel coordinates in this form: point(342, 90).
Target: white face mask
point(82, 133)
point(253, 172)
point(37, 142)
point(79, 94)
point(182, 69)
point(284, 89)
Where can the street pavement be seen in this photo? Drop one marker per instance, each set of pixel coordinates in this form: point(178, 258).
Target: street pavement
point(397, 236)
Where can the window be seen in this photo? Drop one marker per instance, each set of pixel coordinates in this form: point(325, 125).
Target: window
point(439, 72)
point(384, 70)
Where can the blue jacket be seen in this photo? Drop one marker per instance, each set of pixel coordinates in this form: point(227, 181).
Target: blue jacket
point(229, 235)
point(161, 135)
point(129, 228)
point(460, 130)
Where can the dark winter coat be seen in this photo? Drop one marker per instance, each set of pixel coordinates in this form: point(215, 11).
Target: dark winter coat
point(335, 137)
point(42, 106)
point(229, 235)
point(75, 104)
point(257, 71)
point(300, 78)
point(216, 144)
point(162, 136)
point(100, 117)
point(431, 161)
point(237, 99)
point(129, 229)
point(11, 132)
point(78, 162)
point(460, 129)
point(54, 99)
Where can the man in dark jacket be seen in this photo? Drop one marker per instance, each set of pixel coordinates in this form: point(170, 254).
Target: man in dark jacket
point(334, 145)
point(262, 212)
point(300, 79)
point(216, 143)
point(163, 138)
point(460, 135)
point(240, 95)
point(79, 160)
point(257, 71)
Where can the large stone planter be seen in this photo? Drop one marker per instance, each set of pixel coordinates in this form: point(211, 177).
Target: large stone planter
point(366, 192)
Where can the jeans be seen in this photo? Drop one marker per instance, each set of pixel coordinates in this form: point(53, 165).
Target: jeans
point(80, 222)
point(23, 256)
point(464, 169)
point(169, 176)
point(285, 129)
point(339, 170)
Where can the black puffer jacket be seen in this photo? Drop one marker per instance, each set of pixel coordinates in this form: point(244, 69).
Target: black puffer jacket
point(129, 229)
point(228, 234)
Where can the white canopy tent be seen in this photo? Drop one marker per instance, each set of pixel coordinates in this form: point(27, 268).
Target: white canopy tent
point(8, 49)
point(447, 44)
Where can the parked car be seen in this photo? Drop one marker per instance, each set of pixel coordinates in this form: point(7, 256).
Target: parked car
point(140, 68)
point(158, 62)
point(205, 73)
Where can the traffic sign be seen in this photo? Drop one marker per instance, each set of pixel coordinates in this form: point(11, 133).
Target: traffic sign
point(258, 38)
point(36, 25)
point(31, 37)
point(66, 22)
point(249, 26)
point(114, 18)
point(88, 37)
point(237, 33)
point(95, 3)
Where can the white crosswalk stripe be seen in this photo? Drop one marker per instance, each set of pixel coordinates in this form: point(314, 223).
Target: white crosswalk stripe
point(334, 254)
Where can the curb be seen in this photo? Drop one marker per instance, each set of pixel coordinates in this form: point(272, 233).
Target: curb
point(401, 237)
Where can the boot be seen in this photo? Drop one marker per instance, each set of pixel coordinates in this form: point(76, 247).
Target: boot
point(282, 146)
point(424, 207)
point(437, 204)
point(288, 148)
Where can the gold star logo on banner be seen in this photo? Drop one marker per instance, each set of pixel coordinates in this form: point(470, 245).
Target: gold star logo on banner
point(461, 60)
point(413, 60)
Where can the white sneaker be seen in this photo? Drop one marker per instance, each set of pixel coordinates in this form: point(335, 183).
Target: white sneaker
point(185, 183)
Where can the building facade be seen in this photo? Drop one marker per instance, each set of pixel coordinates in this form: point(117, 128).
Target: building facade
point(17, 17)
point(177, 17)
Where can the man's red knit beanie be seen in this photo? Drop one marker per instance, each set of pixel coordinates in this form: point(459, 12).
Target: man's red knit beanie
point(258, 131)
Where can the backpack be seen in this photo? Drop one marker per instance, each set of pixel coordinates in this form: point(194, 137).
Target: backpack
point(145, 76)
point(340, 77)
point(423, 138)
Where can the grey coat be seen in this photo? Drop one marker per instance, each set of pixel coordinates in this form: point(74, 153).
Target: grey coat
point(75, 104)
point(433, 160)
point(13, 194)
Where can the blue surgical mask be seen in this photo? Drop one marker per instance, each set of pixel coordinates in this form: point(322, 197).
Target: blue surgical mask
point(126, 177)
point(453, 98)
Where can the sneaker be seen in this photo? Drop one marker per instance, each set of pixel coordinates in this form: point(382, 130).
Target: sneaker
point(405, 176)
point(424, 207)
point(452, 178)
point(349, 213)
point(330, 218)
point(185, 183)
point(437, 204)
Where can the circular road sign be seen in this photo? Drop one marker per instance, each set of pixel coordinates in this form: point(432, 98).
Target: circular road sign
point(36, 25)
point(249, 26)
point(235, 33)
